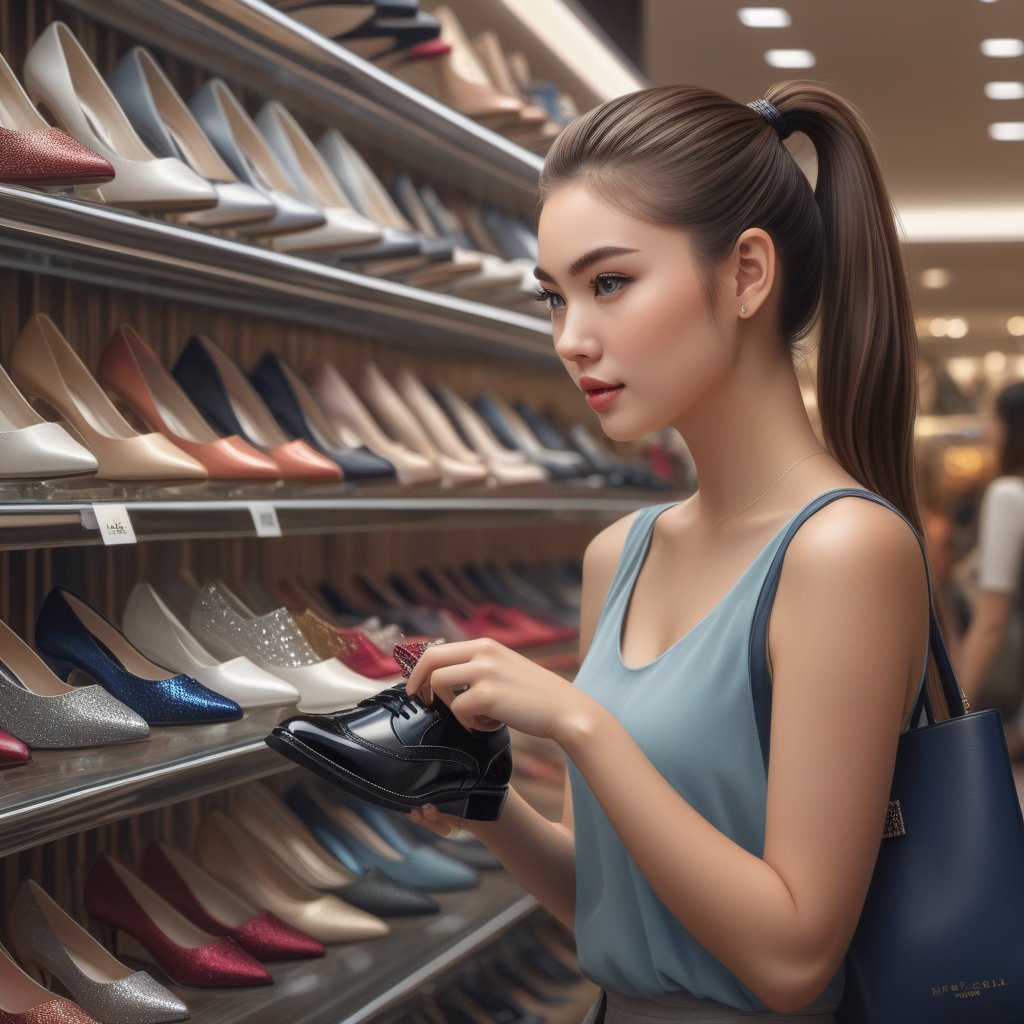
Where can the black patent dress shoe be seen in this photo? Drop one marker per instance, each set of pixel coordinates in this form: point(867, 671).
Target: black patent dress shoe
point(394, 751)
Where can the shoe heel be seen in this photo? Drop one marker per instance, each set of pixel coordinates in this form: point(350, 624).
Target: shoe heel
point(60, 668)
point(108, 936)
point(476, 806)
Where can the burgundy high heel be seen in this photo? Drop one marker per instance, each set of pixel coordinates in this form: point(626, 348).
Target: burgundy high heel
point(126, 908)
point(12, 751)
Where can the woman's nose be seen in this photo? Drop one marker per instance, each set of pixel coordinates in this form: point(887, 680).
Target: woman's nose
point(575, 339)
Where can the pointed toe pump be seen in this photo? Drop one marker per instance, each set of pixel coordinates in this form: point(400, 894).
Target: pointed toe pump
point(226, 398)
point(240, 861)
point(33, 448)
point(169, 129)
point(245, 151)
point(25, 1001)
point(13, 752)
point(347, 413)
point(60, 77)
point(216, 909)
point(46, 713)
point(128, 910)
point(299, 413)
point(130, 370)
point(345, 227)
point(45, 367)
point(58, 948)
point(73, 637)
point(32, 152)
point(158, 633)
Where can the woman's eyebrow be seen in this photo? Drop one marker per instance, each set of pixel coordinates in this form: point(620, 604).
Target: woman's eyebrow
point(586, 260)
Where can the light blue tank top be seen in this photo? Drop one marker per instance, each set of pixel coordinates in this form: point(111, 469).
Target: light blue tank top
point(690, 711)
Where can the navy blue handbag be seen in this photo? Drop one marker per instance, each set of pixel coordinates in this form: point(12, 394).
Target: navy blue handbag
point(941, 935)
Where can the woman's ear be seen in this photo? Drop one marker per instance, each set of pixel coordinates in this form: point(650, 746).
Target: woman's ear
point(754, 269)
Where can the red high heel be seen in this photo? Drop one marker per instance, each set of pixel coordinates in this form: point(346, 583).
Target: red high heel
point(24, 1001)
point(12, 751)
point(124, 905)
point(207, 903)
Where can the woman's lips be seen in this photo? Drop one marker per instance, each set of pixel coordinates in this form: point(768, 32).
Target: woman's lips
point(601, 398)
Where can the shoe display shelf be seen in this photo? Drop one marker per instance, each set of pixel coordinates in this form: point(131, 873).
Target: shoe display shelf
point(356, 984)
point(252, 42)
point(83, 241)
point(57, 523)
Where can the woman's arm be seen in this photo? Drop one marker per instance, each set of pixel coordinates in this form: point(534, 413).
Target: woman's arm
point(538, 853)
point(846, 639)
point(1000, 547)
point(983, 639)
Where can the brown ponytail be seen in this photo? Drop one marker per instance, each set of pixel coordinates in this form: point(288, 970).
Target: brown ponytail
point(690, 157)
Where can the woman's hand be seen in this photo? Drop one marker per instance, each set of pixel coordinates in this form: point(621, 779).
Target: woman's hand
point(486, 685)
point(429, 817)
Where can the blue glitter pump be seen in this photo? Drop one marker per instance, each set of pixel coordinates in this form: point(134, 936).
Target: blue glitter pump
point(72, 637)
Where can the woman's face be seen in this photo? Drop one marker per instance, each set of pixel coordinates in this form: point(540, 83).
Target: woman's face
point(627, 313)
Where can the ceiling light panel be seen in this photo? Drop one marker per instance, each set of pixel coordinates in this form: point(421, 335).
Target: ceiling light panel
point(790, 58)
point(1004, 90)
point(935, 277)
point(1003, 47)
point(764, 17)
point(1007, 131)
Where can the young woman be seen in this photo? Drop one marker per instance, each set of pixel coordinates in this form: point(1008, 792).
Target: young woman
point(1000, 552)
point(682, 254)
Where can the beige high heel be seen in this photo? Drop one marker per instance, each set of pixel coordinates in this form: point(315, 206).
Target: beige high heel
point(347, 412)
point(242, 862)
point(46, 368)
point(459, 79)
point(403, 424)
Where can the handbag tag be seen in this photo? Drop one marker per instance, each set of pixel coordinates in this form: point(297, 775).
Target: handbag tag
point(894, 827)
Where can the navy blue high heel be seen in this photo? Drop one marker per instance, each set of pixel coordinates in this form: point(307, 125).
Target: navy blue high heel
point(299, 414)
point(72, 637)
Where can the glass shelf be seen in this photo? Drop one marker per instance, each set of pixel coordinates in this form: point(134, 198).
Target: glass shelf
point(355, 983)
point(100, 245)
point(65, 791)
point(31, 519)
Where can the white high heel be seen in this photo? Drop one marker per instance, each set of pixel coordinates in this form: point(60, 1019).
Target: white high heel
point(156, 631)
point(312, 179)
point(60, 77)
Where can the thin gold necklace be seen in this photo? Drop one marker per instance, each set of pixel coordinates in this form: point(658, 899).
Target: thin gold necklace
point(771, 487)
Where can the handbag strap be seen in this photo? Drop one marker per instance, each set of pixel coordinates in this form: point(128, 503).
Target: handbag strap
point(760, 675)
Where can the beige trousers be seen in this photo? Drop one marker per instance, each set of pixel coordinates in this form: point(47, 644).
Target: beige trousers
point(685, 1009)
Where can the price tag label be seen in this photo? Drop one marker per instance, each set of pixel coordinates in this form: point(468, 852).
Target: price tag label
point(113, 522)
point(264, 518)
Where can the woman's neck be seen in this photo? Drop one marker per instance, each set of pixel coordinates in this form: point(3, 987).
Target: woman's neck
point(744, 435)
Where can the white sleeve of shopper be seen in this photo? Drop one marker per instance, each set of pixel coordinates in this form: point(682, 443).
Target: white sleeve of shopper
point(1001, 535)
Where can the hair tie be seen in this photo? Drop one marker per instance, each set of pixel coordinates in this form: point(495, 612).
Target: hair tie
point(773, 116)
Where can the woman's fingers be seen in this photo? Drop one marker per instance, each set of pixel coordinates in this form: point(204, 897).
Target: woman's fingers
point(443, 656)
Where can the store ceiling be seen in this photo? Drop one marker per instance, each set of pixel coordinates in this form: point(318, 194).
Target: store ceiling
point(915, 70)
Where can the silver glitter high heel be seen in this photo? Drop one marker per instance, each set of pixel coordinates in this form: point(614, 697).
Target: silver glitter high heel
point(48, 714)
point(55, 947)
point(227, 628)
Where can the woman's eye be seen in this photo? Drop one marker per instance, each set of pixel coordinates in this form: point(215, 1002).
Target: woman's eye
point(608, 284)
point(551, 299)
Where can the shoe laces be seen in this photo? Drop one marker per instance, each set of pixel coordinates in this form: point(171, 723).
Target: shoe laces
point(395, 699)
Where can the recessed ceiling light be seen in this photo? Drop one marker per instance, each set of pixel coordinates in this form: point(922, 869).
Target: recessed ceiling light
point(764, 17)
point(1015, 326)
point(935, 277)
point(956, 327)
point(994, 362)
point(1004, 90)
point(1007, 131)
point(1002, 47)
point(790, 58)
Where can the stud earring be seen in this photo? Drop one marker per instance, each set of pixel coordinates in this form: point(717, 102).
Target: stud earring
point(744, 309)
